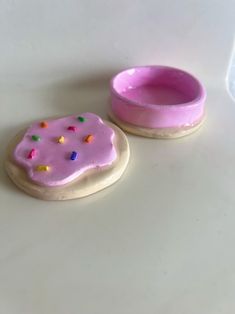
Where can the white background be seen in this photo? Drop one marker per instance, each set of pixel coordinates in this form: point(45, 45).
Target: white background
point(162, 239)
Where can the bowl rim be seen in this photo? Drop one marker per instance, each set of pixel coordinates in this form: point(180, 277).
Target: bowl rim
point(198, 99)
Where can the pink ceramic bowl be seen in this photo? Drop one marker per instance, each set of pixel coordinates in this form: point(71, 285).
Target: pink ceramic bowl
point(157, 101)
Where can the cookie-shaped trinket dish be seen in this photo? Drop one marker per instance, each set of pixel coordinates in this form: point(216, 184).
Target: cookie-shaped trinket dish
point(157, 101)
point(68, 157)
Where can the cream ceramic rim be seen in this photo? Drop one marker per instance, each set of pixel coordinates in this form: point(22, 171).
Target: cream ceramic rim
point(160, 133)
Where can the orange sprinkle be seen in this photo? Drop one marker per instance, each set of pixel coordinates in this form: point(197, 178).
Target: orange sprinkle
point(89, 138)
point(44, 124)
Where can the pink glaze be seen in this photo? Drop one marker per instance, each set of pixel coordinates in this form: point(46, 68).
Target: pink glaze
point(62, 170)
point(157, 97)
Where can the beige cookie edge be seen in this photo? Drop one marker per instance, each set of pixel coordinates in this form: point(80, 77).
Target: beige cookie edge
point(91, 182)
point(161, 133)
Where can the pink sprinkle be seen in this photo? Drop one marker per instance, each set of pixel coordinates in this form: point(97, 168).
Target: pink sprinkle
point(32, 153)
point(72, 128)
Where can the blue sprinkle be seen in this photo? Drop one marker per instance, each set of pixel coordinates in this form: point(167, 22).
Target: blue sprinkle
point(74, 156)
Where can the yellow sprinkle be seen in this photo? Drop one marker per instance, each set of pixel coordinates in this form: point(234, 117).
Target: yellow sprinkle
point(42, 168)
point(60, 140)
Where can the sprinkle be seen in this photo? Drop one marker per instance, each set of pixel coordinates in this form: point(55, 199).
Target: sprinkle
point(81, 119)
point(32, 154)
point(44, 124)
point(89, 138)
point(36, 138)
point(60, 139)
point(74, 156)
point(72, 128)
point(42, 168)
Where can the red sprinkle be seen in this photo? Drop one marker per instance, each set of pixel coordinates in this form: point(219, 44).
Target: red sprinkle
point(72, 128)
point(32, 154)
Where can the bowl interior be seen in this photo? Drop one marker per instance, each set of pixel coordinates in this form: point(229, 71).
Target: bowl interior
point(156, 85)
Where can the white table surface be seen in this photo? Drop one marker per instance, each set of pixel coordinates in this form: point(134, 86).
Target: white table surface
point(162, 239)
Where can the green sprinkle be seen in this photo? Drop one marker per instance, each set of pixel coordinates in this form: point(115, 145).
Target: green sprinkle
point(81, 119)
point(36, 138)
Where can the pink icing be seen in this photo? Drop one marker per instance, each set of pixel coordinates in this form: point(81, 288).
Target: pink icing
point(99, 153)
point(157, 97)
